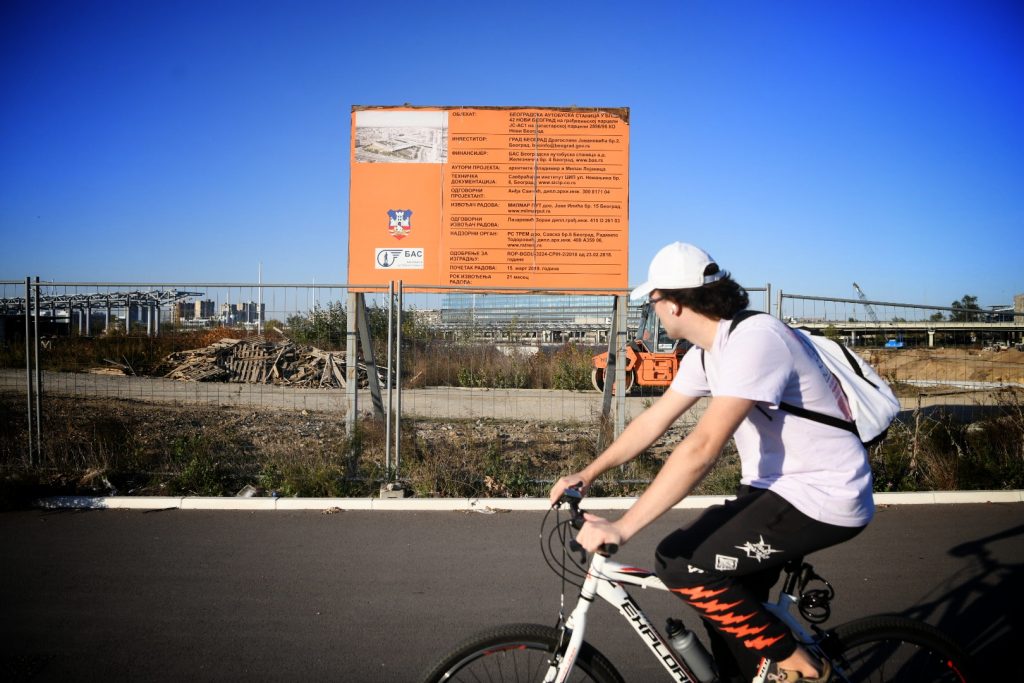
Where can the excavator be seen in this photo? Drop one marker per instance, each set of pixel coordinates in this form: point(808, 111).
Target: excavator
point(645, 366)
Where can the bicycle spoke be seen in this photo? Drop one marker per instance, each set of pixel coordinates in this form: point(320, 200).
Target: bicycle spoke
point(517, 654)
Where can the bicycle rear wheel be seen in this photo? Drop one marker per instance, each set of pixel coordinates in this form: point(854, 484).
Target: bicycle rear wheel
point(892, 648)
point(517, 653)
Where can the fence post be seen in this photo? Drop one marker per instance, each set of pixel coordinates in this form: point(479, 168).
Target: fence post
point(28, 367)
point(351, 374)
point(39, 380)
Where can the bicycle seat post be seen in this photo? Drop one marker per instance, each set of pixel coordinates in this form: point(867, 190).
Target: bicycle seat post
point(793, 570)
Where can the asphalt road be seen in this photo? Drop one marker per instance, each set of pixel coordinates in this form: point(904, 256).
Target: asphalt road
point(374, 596)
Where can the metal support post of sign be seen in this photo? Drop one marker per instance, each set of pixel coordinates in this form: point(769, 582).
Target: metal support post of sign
point(612, 363)
point(398, 383)
point(778, 311)
point(392, 488)
point(621, 313)
point(388, 413)
point(768, 298)
point(351, 378)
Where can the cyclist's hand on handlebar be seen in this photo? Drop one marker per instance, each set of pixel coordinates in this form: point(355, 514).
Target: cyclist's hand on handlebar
point(573, 480)
point(598, 532)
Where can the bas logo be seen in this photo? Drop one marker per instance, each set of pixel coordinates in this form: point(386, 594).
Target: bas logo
point(388, 257)
point(399, 223)
point(398, 259)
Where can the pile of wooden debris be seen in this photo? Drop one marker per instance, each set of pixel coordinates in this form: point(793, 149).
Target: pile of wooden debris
point(258, 361)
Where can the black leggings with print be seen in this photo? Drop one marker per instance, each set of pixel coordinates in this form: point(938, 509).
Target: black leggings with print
point(725, 564)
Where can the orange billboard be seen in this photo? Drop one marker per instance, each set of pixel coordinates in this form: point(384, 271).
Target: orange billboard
point(489, 197)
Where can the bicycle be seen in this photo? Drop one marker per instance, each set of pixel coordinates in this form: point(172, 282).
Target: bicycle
point(874, 648)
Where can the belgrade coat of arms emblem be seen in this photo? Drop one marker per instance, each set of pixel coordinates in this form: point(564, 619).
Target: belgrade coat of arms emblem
point(399, 222)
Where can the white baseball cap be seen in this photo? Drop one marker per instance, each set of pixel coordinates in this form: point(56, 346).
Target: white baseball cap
point(677, 266)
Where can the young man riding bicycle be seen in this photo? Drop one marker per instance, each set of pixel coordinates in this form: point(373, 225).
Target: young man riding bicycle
point(804, 485)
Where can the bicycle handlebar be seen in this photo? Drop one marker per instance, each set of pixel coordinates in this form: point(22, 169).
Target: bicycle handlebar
point(573, 496)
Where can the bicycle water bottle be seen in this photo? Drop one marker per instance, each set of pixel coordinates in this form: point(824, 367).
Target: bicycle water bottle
point(692, 650)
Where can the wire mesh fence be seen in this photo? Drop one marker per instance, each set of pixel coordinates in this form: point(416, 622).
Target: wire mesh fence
point(256, 375)
point(934, 354)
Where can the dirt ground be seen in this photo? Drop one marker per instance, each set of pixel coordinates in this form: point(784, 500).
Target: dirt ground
point(953, 365)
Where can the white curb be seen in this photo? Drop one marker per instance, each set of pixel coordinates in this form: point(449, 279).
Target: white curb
point(481, 505)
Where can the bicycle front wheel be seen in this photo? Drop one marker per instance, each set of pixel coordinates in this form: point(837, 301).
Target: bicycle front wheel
point(515, 654)
point(893, 648)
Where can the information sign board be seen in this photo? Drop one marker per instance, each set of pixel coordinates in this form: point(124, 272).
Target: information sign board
point(490, 197)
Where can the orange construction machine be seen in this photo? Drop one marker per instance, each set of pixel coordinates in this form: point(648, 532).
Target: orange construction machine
point(645, 366)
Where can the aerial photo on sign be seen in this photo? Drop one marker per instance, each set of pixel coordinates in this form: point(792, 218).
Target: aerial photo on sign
point(490, 197)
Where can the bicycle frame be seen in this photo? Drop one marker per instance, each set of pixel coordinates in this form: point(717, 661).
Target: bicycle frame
point(605, 579)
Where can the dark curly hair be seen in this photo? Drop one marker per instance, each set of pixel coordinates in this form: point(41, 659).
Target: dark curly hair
point(718, 300)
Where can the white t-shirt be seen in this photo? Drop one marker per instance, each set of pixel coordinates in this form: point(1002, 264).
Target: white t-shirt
point(823, 471)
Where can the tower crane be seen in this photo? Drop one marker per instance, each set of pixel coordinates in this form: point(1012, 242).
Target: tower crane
point(896, 343)
point(867, 306)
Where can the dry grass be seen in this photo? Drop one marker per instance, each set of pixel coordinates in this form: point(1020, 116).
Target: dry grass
point(106, 446)
point(937, 450)
point(445, 363)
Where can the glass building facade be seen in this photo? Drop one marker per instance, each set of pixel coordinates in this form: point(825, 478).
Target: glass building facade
point(540, 318)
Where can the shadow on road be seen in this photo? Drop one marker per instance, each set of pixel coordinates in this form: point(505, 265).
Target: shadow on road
point(981, 605)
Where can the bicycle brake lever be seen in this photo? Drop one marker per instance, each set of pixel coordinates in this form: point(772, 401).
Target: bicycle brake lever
point(571, 496)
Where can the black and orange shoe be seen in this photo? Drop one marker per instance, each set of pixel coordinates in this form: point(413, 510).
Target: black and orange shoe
point(769, 672)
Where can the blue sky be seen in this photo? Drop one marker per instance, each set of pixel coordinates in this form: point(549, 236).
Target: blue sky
point(804, 144)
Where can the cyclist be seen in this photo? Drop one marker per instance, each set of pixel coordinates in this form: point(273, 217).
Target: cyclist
point(804, 485)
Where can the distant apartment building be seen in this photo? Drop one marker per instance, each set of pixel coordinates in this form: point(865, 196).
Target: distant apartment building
point(194, 310)
point(205, 308)
point(243, 312)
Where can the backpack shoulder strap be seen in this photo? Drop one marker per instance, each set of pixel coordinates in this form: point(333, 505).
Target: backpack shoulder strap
point(819, 417)
point(805, 413)
point(741, 316)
